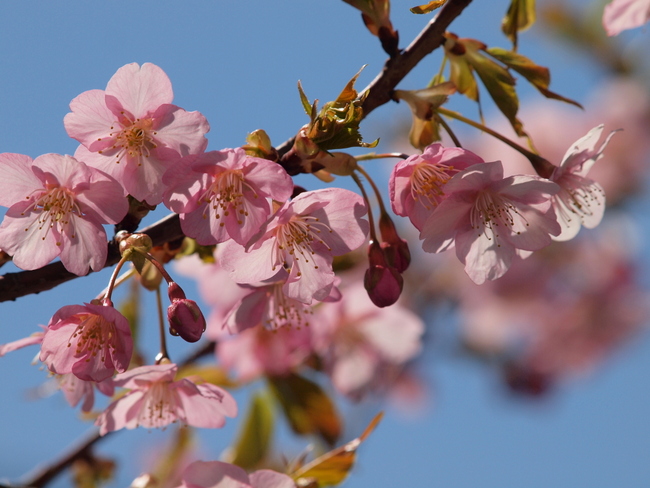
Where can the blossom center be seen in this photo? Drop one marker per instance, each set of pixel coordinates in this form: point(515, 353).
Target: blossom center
point(493, 213)
point(158, 408)
point(93, 336)
point(295, 240)
point(226, 196)
point(285, 311)
point(55, 206)
point(134, 139)
point(427, 181)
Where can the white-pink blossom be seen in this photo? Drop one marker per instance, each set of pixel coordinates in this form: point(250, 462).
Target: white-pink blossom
point(155, 400)
point(302, 238)
point(224, 194)
point(132, 131)
point(580, 201)
point(490, 219)
point(57, 206)
point(620, 15)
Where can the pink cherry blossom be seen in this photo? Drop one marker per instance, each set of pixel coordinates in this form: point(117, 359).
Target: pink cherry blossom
point(256, 351)
point(57, 206)
point(580, 201)
point(302, 237)
point(156, 400)
point(416, 184)
point(363, 347)
point(215, 474)
point(77, 390)
point(35, 338)
point(224, 194)
point(621, 15)
point(90, 341)
point(133, 132)
point(491, 219)
point(268, 306)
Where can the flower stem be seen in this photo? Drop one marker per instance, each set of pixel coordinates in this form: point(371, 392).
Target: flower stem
point(371, 221)
point(542, 166)
point(374, 188)
point(163, 354)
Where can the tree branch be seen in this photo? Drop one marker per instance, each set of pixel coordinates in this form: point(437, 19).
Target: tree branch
point(380, 90)
point(15, 285)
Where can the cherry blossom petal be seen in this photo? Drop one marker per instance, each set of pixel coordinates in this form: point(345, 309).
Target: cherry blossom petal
point(140, 89)
point(17, 180)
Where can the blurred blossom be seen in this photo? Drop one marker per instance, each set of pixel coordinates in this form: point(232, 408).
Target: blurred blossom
point(257, 352)
point(363, 347)
point(584, 302)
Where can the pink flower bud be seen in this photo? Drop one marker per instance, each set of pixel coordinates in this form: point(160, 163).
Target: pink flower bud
point(186, 320)
point(383, 282)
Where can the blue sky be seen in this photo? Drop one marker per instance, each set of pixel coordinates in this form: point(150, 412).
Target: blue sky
point(239, 63)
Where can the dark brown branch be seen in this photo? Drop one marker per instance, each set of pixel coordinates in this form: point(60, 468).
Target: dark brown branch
point(380, 90)
point(15, 285)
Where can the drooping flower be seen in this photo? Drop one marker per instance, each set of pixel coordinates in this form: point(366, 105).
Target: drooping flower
point(89, 341)
point(621, 15)
point(184, 315)
point(224, 194)
point(416, 184)
point(302, 237)
point(57, 206)
point(156, 400)
point(133, 132)
point(490, 219)
point(580, 201)
point(215, 474)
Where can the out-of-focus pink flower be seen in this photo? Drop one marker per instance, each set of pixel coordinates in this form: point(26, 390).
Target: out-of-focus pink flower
point(302, 237)
point(621, 15)
point(580, 201)
point(256, 352)
point(215, 474)
point(77, 390)
point(57, 206)
point(90, 341)
point(133, 132)
point(156, 400)
point(224, 194)
point(416, 184)
point(35, 338)
point(491, 219)
point(363, 347)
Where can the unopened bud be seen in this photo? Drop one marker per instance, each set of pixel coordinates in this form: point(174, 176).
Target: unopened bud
point(382, 282)
point(186, 320)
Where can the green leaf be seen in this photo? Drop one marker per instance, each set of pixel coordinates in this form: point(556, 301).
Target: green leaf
point(305, 101)
point(519, 17)
point(500, 84)
point(538, 76)
point(307, 408)
point(255, 435)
